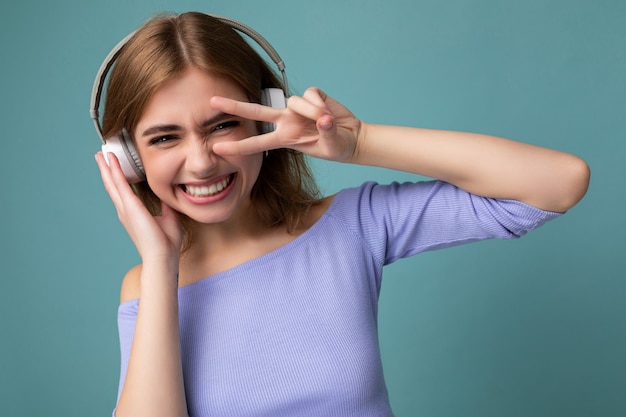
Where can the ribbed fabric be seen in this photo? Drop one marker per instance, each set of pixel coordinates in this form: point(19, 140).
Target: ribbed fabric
point(294, 332)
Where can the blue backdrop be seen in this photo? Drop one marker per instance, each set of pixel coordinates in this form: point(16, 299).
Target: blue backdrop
point(534, 327)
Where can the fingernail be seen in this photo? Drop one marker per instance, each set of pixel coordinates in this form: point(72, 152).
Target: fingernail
point(327, 123)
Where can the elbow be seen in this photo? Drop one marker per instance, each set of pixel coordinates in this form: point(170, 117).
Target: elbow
point(575, 182)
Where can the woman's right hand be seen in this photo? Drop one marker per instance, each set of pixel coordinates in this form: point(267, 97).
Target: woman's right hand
point(155, 237)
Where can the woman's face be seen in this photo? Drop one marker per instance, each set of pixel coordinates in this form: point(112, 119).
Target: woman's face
point(174, 138)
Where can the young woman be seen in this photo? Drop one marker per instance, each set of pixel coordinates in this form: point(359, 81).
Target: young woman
point(255, 296)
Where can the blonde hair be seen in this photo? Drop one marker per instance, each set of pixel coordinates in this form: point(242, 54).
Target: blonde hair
point(161, 50)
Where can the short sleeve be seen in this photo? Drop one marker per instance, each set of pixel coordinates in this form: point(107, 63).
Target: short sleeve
point(126, 319)
point(402, 219)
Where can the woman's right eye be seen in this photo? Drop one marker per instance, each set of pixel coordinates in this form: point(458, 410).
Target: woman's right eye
point(161, 139)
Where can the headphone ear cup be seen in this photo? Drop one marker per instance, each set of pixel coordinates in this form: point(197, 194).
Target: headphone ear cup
point(122, 146)
point(272, 97)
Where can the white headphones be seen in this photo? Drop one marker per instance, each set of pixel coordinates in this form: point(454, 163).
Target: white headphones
point(122, 145)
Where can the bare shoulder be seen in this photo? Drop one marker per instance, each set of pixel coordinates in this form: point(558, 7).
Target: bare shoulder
point(131, 284)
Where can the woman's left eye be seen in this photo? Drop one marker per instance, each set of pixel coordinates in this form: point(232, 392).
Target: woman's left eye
point(227, 125)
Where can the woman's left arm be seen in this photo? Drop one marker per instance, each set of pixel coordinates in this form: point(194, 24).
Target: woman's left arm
point(484, 165)
point(481, 164)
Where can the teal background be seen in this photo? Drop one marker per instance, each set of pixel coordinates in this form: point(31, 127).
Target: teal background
point(535, 327)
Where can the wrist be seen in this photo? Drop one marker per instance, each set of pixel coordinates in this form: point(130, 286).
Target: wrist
point(359, 156)
point(161, 268)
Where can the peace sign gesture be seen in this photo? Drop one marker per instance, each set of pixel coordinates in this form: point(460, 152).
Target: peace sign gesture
point(314, 124)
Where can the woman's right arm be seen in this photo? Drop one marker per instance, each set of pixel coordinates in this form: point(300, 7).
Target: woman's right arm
point(153, 383)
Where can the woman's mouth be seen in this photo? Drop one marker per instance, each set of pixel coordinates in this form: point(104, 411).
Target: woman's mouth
point(207, 190)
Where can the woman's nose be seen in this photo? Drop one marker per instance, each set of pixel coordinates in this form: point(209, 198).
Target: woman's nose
point(200, 158)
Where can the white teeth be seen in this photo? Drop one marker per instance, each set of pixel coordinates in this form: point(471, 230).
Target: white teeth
point(207, 190)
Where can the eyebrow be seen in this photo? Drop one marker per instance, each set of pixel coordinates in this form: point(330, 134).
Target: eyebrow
point(172, 128)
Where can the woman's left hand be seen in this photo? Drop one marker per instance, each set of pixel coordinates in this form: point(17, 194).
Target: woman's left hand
point(314, 124)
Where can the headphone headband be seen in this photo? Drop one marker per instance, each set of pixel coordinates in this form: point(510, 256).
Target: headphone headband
point(105, 67)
